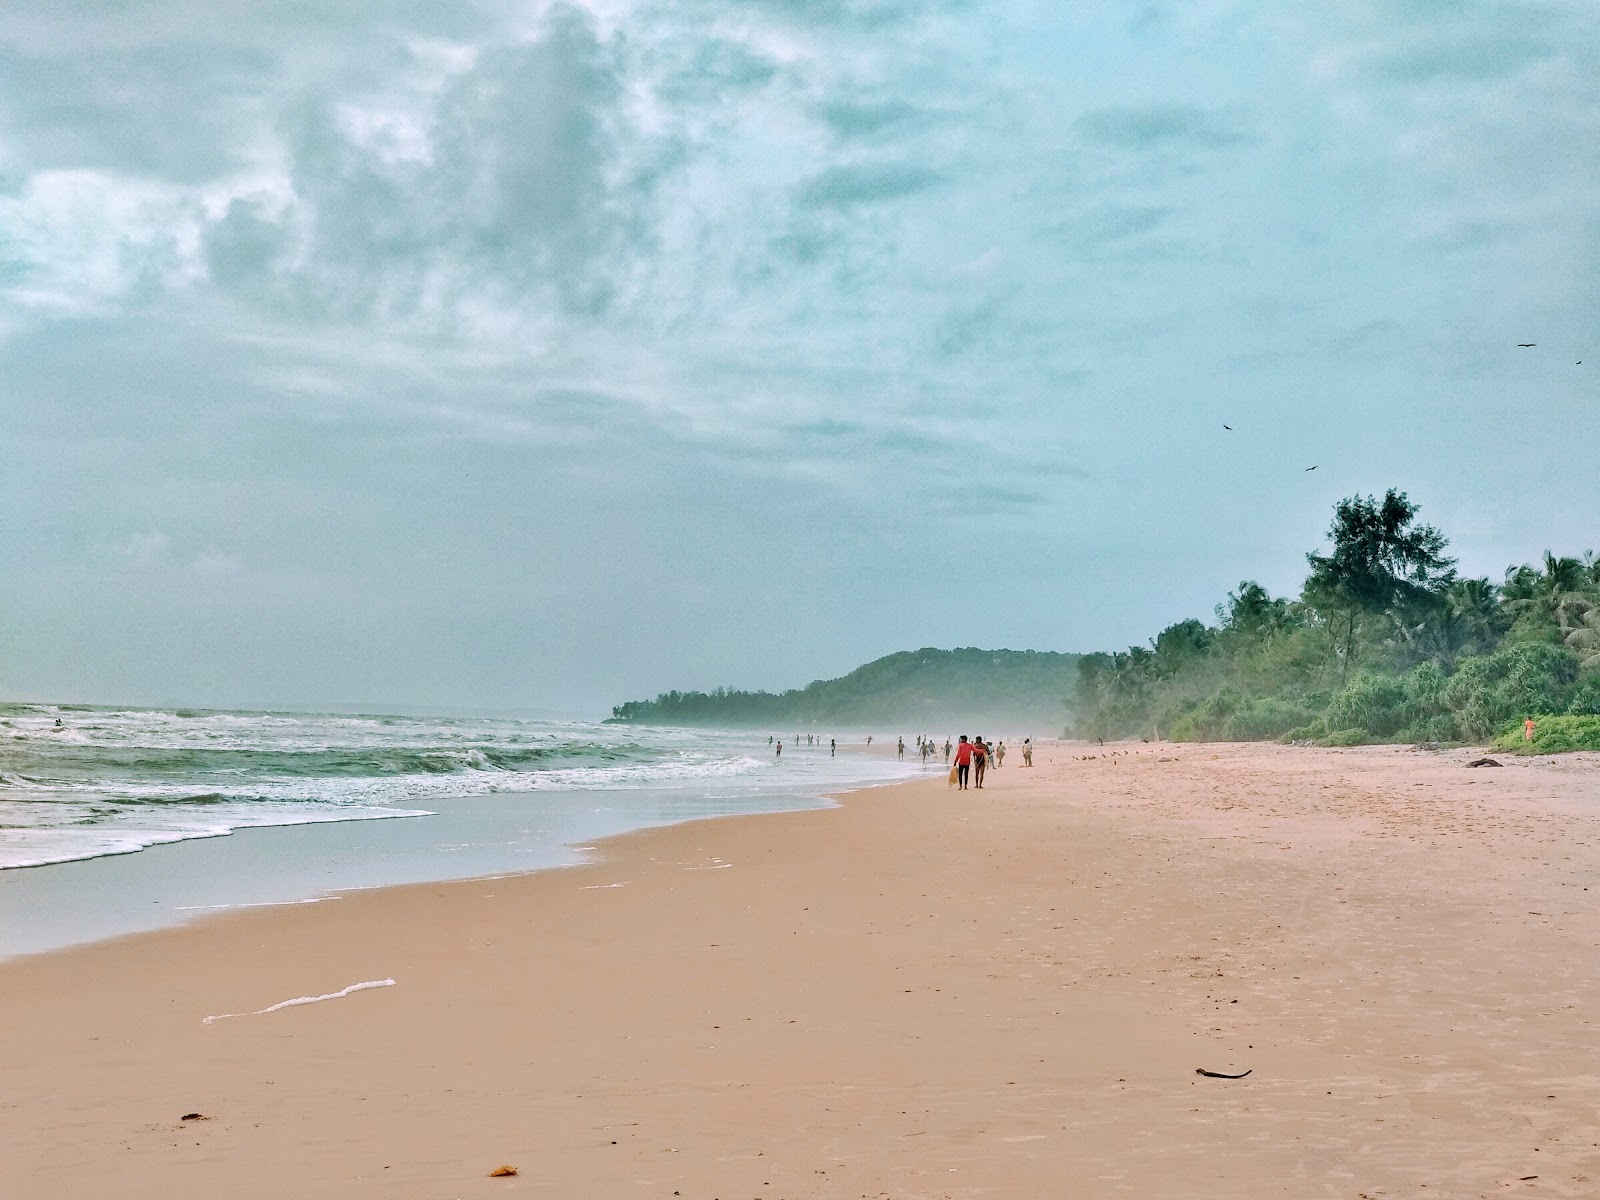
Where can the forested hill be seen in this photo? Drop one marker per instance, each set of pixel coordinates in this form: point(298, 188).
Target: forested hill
point(921, 691)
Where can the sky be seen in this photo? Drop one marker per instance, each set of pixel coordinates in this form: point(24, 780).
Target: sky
point(538, 356)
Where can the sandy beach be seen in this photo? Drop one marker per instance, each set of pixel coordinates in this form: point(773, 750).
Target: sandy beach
point(922, 993)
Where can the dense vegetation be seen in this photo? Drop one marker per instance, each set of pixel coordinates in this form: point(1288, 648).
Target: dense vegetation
point(923, 691)
point(1386, 642)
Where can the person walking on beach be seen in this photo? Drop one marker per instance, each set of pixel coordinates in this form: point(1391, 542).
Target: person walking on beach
point(1027, 752)
point(779, 754)
point(900, 751)
point(833, 747)
point(1000, 755)
point(963, 762)
point(980, 761)
point(1527, 730)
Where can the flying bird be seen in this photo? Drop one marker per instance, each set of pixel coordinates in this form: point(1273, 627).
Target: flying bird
point(1229, 428)
point(1526, 345)
point(1311, 468)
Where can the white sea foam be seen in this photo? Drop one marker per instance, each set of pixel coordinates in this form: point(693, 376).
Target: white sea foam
point(249, 904)
point(114, 781)
point(339, 995)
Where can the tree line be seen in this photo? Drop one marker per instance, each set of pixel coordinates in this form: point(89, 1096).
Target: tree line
point(1385, 642)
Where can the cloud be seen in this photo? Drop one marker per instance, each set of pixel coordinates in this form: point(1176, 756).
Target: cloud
point(867, 183)
point(139, 112)
point(1159, 126)
point(374, 292)
point(1422, 42)
point(852, 118)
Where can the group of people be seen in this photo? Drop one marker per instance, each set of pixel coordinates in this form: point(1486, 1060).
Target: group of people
point(972, 757)
point(972, 760)
point(975, 757)
point(812, 739)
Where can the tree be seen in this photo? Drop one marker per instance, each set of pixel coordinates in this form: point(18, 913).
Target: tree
point(1559, 599)
point(1380, 563)
point(1252, 611)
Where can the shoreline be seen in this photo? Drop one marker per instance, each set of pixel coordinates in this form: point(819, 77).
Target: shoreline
point(85, 899)
point(919, 992)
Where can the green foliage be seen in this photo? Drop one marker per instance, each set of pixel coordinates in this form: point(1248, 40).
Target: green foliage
point(1373, 703)
point(1488, 692)
point(1233, 716)
point(1584, 700)
point(1553, 735)
point(1313, 732)
point(1381, 565)
point(1442, 659)
point(1346, 737)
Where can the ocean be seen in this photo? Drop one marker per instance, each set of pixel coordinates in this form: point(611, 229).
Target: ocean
point(119, 819)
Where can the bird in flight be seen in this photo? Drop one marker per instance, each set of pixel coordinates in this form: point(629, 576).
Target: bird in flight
point(1229, 428)
point(1526, 345)
point(1312, 468)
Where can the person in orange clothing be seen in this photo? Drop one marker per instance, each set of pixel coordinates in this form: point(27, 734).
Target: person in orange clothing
point(1527, 730)
point(963, 761)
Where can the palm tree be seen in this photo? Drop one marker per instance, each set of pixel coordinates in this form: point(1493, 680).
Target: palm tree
point(1563, 593)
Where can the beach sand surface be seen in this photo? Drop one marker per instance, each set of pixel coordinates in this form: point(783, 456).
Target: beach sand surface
point(922, 993)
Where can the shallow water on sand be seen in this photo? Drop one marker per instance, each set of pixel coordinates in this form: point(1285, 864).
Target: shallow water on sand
point(307, 794)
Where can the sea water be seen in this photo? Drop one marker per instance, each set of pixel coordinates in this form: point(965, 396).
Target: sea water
point(121, 815)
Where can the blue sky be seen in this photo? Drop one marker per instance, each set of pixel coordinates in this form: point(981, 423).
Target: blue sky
point(546, 355)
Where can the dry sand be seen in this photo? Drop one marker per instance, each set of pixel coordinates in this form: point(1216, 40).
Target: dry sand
point(924, 993)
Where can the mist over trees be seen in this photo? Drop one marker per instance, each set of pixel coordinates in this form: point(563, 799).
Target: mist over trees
point(925, 691)
point(1386, 642)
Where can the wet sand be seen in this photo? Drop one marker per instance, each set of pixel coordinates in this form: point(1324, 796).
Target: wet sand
point(923, 993)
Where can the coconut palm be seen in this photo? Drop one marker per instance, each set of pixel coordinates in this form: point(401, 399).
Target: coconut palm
point(1562, 593)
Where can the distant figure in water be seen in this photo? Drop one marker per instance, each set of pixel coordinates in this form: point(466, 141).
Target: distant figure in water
point(779, 754)
point(947, 749)
point(900, 750)
point(980, 760)
point(1527, 729)
point(58, 723)
point(869, 739)
point(769, 739)
point(833, 747)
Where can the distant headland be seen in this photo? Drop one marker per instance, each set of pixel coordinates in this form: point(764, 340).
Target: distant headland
point(926, 691)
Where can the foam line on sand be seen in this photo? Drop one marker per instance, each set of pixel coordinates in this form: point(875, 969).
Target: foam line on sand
point(339, 995)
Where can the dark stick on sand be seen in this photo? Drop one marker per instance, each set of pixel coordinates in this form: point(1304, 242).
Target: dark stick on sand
point(1219, 1074)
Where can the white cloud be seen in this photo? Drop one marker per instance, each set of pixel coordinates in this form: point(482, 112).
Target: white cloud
point(318, 292)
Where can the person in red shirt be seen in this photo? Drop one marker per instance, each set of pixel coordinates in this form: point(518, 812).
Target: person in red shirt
point(980, 760)
point(963, 761)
